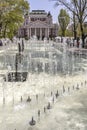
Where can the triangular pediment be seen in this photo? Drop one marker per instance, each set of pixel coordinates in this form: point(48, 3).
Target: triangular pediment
point(38, 24)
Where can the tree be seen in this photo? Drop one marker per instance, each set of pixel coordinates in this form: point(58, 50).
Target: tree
point(11, 16)
point(79, 9)
point(69, 33)
point(64, 20)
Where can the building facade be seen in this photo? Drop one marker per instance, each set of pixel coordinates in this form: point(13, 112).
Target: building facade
point(40, 24)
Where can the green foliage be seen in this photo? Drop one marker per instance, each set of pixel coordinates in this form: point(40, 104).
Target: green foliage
point(12, 16)
point(59, 32)
point(64, 20)
point(69, 33)
point(79, 9)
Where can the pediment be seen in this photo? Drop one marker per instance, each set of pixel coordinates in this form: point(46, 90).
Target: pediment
point(38, 24)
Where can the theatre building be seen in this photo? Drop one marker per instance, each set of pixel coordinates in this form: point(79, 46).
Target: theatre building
point(40, 24)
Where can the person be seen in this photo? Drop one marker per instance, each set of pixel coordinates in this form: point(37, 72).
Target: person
point(78, 42)
point(36, 96)
point(51, 93)
point(85, 82)
point(63, 89)
point(48, 106)
point(68, 89)
point(44, 94)
point(73, 87)
point(44, 110)
point(67, 41)
point(38, 113)
point(61, 39)
point(1, 42)
point(81, 84)
point(77, 87)
point(57, 94)
point(53, 99)
point(21, 99)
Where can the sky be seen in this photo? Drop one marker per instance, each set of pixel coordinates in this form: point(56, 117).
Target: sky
point(46, 5)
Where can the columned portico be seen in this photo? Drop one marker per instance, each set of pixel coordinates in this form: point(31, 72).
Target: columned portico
point(39, 32)
point(40, 24)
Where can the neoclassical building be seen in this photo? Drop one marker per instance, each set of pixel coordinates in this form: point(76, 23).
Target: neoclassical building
point(40, 24)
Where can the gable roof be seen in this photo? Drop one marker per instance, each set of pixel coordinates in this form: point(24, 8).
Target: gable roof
point(38, 24)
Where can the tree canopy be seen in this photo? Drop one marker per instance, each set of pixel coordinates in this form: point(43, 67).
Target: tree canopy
point(11, 16)
point(78, 8)
point(64, 20)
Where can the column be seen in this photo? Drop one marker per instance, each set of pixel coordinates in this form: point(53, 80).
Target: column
point(35, 32)
point(48, 32)
point(30, 32)
point(41, 33)
point(45, 32)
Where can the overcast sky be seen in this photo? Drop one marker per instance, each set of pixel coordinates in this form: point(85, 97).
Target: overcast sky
point(46, 5)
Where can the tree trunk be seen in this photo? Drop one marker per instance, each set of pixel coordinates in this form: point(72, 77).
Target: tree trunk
point(74, 27)
point(82, 34)
point(0, 29)
point(63, 33)
point(4, 34)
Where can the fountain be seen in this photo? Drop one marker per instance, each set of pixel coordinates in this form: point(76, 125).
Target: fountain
point(17, 76)
point(32, 122)
point(51, 72)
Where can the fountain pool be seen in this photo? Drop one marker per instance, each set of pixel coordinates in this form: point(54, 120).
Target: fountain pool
point(50, 66)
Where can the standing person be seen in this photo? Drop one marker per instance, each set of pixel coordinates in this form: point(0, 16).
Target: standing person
point(78, 42)
point(38, 113)
point(63, 89)
point(51, 93)
point(44, 110)
point(1, 42)
point(36, 96)
point(85, 82)
point(53, 99)
point(73, 87)
point(68, 89)
point(21, 99)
